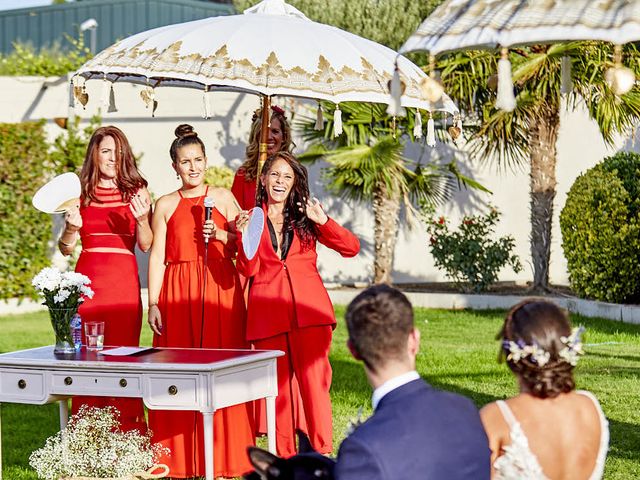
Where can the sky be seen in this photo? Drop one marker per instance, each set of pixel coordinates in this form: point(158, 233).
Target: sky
point(11, 4)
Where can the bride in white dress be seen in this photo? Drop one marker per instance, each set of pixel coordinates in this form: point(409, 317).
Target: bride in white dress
point(550, 430)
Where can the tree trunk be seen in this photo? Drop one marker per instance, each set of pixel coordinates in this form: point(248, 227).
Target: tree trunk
point(544, 135)
point(385, 212)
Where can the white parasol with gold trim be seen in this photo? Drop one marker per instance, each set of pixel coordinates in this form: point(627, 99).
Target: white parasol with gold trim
point(272, 49)
point(478, 24)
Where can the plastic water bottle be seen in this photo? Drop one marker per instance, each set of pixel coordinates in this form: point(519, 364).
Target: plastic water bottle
point(76, 331)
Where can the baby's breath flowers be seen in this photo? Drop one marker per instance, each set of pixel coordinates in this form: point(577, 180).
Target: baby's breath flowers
point(92, 445)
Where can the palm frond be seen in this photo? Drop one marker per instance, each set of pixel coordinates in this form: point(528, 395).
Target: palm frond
point(503, 137)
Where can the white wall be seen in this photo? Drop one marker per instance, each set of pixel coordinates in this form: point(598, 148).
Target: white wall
point(580, 146)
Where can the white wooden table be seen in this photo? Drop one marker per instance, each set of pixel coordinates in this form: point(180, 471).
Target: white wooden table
point(204, 380)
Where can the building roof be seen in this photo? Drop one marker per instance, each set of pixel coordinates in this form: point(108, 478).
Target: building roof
point(117, 19)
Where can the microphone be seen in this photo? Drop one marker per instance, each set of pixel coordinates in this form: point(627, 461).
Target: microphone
point(208, 209)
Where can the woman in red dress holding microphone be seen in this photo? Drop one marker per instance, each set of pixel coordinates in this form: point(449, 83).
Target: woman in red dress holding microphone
point(289, 309)
point(187, 311)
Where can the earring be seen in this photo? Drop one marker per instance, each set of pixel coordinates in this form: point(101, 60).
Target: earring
point(178, 176)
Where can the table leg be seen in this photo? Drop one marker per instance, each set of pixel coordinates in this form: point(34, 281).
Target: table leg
point(0, 441)
point(207, 421)
point(64, 413)
point(271, 424)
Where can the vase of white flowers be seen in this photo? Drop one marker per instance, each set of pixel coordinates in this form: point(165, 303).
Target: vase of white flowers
point(63, 293)
point(92, 447)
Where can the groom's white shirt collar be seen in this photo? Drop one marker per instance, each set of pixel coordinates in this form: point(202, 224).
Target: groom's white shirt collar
point(391, 385)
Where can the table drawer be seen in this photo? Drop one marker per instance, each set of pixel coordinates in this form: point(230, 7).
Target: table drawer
point(26, 385)
point(99, 384)
point(175, 391)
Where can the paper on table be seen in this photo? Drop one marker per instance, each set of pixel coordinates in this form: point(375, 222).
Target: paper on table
point(123, 351)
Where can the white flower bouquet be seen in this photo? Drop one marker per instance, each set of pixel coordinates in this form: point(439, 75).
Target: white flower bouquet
point(93, 446)
point(63, 293)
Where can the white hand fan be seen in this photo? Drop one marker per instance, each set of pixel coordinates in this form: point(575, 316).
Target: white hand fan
point(58, 195)
point(253, 232)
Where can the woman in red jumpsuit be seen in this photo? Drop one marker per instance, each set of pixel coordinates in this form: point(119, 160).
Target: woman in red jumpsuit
point(244, 182)
point(113, 216)
point(289, 309)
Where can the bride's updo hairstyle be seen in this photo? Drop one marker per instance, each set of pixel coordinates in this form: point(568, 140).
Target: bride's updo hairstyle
point(533, 336)
point(185, 135)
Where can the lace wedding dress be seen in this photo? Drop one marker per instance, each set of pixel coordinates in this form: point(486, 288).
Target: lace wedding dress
point(518, 461)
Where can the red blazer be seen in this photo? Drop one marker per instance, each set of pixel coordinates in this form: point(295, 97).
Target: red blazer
point(288, 293)
point(244, 190)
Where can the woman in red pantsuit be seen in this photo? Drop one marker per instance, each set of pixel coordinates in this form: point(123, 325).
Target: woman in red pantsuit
point(279, 140)
point(289, 308)
point(176, 271)
point(112, 217)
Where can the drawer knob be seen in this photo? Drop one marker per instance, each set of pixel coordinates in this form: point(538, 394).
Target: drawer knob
point(173, 390)
point(22, 384)
point(68, 380)
point(123, 382)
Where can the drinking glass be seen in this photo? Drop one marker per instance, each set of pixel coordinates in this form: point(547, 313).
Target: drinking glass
point(94, 332)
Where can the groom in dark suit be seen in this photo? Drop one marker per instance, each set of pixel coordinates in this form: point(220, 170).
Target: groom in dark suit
point(416, 431)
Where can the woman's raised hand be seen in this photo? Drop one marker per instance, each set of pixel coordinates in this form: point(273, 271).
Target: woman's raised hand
point(140, 206)
point(314, 211)
point(73, 219)
point(242, 220)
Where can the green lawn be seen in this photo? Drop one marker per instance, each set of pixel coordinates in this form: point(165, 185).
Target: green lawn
point(458, 353)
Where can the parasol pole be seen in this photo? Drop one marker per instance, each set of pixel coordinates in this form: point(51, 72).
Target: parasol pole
point(264, 135)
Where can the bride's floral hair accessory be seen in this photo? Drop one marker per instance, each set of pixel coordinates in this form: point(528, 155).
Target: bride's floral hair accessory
point(570, 353)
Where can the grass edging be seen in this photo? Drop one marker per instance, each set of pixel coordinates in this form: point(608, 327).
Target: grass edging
point(448, 301)
point(460, 301)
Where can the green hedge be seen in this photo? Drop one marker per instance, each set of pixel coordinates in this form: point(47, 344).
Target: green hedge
point(25, 233)
point(601, 231)
point(24, 59)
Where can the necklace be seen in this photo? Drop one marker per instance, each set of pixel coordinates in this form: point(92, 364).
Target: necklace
point(190, 199)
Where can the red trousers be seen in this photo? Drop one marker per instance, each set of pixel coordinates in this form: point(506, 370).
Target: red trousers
point(306, 360)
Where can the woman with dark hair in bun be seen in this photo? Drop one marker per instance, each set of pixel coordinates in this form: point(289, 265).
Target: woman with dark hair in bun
point(177, 300)
point(549, 430)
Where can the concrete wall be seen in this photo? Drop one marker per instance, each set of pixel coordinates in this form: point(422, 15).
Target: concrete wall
point(580, 146)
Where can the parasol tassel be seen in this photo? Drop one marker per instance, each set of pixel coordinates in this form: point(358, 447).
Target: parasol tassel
point(81, 95)
point(431, 132)
point(506, 99)
point(206, 104)
point(566, 82)
point(72, 100)
point(112, 101)
point(319, 118)
point(417, 124)
point(148, 95)
point(459, 127)
point(395, 109)
point(337, 121)
point(104, 99)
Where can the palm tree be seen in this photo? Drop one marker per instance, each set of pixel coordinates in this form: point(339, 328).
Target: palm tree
point(530, 132)
point(367, 165)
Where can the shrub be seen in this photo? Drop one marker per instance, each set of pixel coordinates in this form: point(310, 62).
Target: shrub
point(601, 231)
point(47, 62)
point(219, 177)
point(27, 161)
point(469, 256)
point(25, 233)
